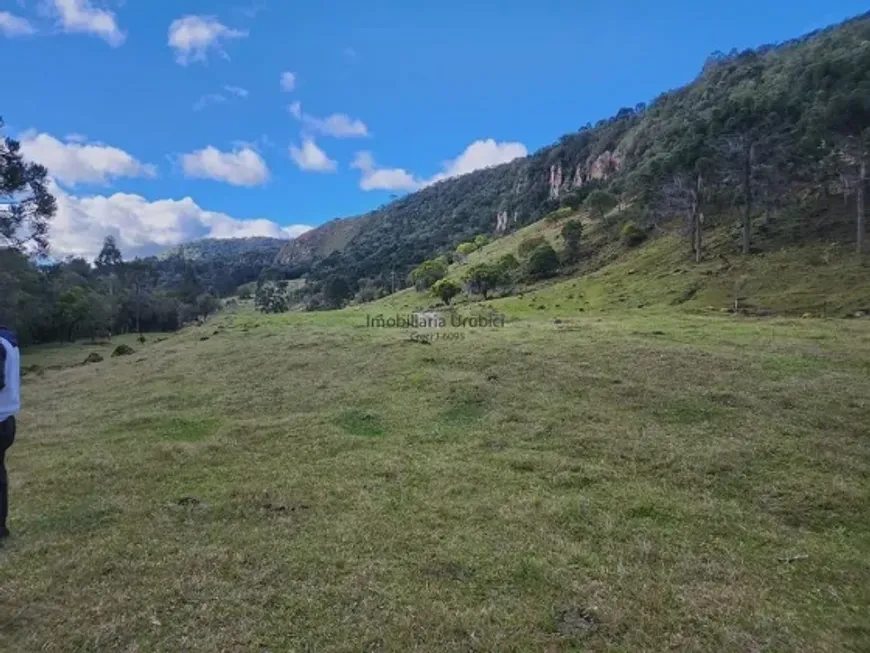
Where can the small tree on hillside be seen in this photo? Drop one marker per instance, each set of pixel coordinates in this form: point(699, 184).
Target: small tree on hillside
point(543, 262)
point(446, 290)
point(599, 202)
point(483, 279)
point(530, 245)
point(481, 240)
point(336, 289)
point(572, 232)
point(428, 272)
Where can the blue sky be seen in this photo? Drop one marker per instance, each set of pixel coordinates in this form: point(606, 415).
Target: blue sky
point(163, 121)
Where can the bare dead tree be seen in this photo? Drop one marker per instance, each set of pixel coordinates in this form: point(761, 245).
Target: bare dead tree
point(684, 195)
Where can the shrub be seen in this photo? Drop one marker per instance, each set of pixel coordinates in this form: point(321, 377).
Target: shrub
point(508, 263)
point(530, 245)
point(122, 350)
point(543, 262)
point(93, 357)
point(466, 248)
point(559, 214)
point(481, 241)
point(632, 235)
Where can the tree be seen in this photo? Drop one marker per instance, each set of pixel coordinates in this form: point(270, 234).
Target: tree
point(599, 202)
point(508, 263)
point(481, 240)
point(336, 290)
point(446, 290)
point(269, 299)
point(26, 206)
point(572, 232)
point(73, 306)
point(483, 279)
point(207, 304)
point(530, 245)
point(138, 275)
point(543, 262)
point(849, 118)
point(109, 256)
point(428, 272)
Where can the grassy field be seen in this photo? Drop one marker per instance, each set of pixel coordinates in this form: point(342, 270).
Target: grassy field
point(632, 481)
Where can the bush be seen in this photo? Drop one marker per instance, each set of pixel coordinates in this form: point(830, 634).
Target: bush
point(508, 263)
point(269, 299)
point(93, 357)
point(530, 245)
point(543, 262)
point(558, 214)
point(466, 248)
point(632, 235)
point(481, 241)
point(122, 350)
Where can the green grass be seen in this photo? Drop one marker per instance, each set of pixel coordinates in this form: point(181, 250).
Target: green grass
point(625, 481)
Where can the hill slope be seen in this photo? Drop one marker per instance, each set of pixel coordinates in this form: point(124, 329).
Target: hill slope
point(224, 248)
point(780, 97)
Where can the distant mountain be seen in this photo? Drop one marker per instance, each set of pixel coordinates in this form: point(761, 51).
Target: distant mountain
point(207, 249)
point(796, 112)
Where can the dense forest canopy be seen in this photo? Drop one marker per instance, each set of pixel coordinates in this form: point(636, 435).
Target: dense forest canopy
point(757, 138)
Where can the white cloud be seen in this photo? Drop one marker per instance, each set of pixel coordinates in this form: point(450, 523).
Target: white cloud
point(219, 98)
point(80, 16)
point(142, 227)
point(12, 25)
point(480, 154)
point(238, 91)
point(288, 81)
point(242, 167)
point(311, 158)
point(208, 100)
point(193, 36)
point(374, 178)
point(74, 162)
point(75, 137)
point(339, 125)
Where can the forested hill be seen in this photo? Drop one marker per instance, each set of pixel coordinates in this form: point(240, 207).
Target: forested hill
point(224, 248)
point(778, 125)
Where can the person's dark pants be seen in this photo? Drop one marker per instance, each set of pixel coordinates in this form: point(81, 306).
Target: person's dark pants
point(7, 437)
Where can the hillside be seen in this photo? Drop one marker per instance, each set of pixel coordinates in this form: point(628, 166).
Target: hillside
point(790, 106)
point(224, 248)
point(816, 276)
point(319, 243)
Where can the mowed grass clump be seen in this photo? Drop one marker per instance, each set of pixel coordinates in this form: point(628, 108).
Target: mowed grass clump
point(301, 482)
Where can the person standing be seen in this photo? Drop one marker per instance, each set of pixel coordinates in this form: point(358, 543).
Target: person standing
point(10, 404)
